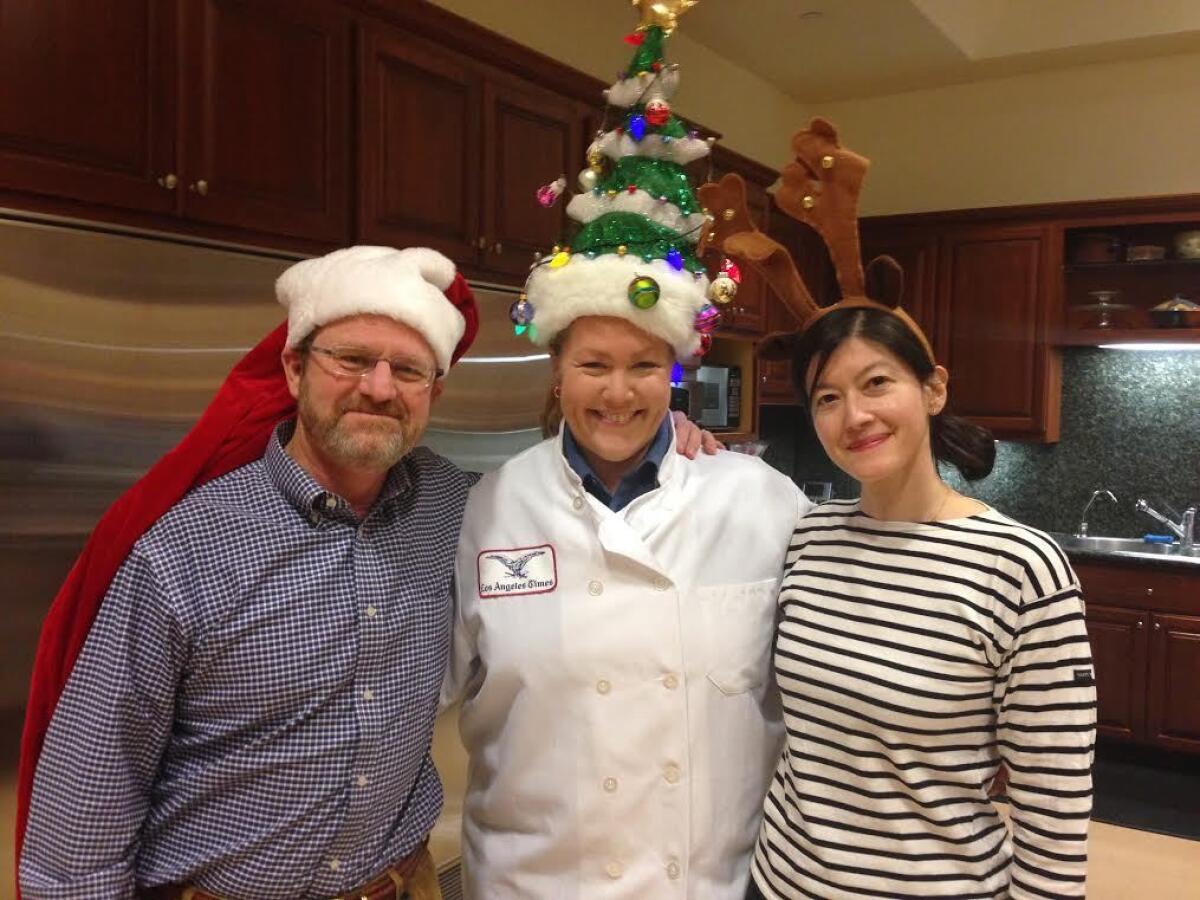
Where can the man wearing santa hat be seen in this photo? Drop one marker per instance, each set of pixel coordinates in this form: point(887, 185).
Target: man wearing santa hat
point(250, 712)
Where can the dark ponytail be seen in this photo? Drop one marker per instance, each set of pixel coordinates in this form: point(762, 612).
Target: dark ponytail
point(968, 447)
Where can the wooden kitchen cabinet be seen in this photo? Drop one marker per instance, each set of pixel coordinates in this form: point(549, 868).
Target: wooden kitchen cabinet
point(266, 117)
point(251, 134)
point(1118, 638)
point(452, 152)
point(87, 101)
point(1144, 628)
point(917, 253)
point(1174, 702)
point(993, 315)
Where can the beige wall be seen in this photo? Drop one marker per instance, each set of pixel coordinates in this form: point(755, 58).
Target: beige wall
point(1108, 130)
point(1113, 130)
point(754, 117)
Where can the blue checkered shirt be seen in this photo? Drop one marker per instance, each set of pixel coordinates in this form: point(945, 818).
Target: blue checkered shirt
point(641, 480)
point(253, 708)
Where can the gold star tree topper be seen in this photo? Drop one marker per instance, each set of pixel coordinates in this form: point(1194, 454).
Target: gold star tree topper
point(663, 13)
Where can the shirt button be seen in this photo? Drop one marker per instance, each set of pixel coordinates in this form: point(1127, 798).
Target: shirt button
point(603, 687)
point(335, 864)
point(368, 694)
point(614, 869)
point(361, 780)
point(610, 785)
point(672, 870)
point(330, 501)
point(595, 588)
point(661, 584)
point(671, 773)
point(577, 503)
point(670, 682)
point(371, 612)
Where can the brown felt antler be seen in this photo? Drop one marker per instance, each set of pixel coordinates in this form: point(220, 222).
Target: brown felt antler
point(735, 234)
point(820, 188)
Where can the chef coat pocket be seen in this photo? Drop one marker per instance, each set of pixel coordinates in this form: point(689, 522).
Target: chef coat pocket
point(740, 624)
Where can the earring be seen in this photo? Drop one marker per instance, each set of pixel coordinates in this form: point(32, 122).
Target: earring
point(558, 392)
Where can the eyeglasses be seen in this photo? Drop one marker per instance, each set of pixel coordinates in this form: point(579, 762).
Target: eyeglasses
point(348, 362)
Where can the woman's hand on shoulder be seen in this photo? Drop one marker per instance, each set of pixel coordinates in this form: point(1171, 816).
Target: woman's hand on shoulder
point(690, 437)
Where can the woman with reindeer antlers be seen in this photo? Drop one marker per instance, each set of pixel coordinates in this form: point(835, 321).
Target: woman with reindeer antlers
point(925, 639)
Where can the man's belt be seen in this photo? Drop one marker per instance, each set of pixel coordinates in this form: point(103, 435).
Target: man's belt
point(391, 884)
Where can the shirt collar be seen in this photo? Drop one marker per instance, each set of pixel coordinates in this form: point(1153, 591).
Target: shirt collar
point(641, 479)
point(305, 494)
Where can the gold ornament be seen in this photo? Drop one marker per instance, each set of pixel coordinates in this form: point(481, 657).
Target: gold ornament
point(560, 259)
point(826, 162)
point(663, 13)
point(722, 289)
point(808, 202)
point(622, 250)
point(595, 160)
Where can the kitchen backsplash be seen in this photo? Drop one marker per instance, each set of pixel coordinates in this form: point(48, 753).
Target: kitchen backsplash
point(1130, 424)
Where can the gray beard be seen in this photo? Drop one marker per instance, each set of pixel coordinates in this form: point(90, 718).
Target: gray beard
point(377, 447)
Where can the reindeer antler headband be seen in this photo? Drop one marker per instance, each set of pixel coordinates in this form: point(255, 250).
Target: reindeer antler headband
point(820, 188)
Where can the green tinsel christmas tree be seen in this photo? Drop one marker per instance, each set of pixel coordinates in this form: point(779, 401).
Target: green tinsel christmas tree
point(634, 253)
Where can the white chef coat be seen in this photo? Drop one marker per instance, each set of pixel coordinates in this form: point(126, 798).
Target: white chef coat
point(614, 667)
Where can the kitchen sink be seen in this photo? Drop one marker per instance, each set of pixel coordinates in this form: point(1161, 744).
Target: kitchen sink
point(1119, 546)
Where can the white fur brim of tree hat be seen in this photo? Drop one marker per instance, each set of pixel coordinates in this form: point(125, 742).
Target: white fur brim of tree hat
point(406, 285)
point(600, 287)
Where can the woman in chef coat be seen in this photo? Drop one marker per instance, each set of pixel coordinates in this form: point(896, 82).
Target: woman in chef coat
point(615, 614)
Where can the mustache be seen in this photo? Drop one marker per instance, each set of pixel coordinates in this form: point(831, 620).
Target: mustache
point(394, 411)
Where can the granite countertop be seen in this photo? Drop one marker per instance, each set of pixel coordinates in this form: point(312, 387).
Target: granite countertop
point(1128, 551)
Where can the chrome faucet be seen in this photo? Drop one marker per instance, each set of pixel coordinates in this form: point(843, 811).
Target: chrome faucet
point(1082, 531)
point(1185, 530)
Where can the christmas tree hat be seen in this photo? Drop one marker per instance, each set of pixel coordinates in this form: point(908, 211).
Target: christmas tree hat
point(634, 254)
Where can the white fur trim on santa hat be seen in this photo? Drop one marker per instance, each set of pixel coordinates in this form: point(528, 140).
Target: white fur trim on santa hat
point(600, 287)
point(644, 87)
point(405, 285)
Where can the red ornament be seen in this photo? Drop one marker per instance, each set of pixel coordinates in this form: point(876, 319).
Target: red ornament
point(657, 67)
point(705, 344)
point(632, 188)
point(658, 111)
point(636, 39)
point(730, 268)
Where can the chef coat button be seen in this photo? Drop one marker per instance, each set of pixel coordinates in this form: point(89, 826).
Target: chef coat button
point(330, 501)
point(610, 785)
point(671, 773)
point(614, 869)
point(595, 588)
point(577, 503)
point(673, 870)
point(603, 687)
point(661, 584)
point(670, 682)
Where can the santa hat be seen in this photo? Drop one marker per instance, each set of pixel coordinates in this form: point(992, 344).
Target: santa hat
point(233, 431)
point(411, 286)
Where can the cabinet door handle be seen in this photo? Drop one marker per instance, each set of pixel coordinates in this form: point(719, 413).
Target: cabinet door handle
point(1149, 592)
point(168, 181)
point(199, 187)
point(1139, 625)
point(481, 243)
point(1158, 626)
point(498, 248)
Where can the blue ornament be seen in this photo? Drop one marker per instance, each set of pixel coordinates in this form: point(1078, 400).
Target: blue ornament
point(637, 127)
point(676, 373)
point(521, 315)
point(675, 258)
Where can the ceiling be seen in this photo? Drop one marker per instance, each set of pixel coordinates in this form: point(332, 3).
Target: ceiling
point(827, 50)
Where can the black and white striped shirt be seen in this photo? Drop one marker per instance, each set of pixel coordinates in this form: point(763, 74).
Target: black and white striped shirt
point(912, 658)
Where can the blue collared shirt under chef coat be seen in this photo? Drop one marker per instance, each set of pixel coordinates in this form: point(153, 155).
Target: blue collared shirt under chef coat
point(643, 478)
point(253, 707)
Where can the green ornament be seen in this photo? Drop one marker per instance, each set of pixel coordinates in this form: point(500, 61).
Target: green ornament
point(643, 292)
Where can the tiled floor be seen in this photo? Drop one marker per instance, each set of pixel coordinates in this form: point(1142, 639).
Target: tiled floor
point(1125, 864)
